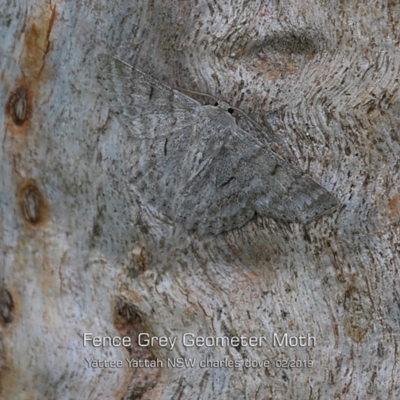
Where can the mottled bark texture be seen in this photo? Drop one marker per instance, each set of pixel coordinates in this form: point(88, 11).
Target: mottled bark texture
point(81, 254)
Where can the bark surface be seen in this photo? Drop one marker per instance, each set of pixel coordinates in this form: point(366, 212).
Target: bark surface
point(81, 254)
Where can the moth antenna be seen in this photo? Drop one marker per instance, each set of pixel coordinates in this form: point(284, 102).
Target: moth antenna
point(199, 93)
point(254, 122)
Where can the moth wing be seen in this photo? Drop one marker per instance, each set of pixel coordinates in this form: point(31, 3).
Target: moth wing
point(174, 132)
point(197, 165)
point(143, 105)
point(247, 178)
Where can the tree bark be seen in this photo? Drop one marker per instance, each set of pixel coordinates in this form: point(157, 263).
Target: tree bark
point(81, 254)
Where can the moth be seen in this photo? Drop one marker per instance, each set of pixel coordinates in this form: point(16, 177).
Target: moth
point(195, 165)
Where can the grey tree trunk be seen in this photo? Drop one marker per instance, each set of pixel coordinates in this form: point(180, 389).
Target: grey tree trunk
point(80, 254)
